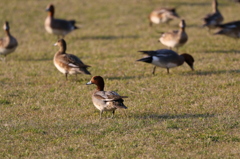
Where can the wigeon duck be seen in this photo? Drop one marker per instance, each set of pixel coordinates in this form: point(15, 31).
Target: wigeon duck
point(175, 38)
point(231, 29)
point(213, 19)
point(162, 15)
point(58, 27)
point(167, 59)
point(105, 100)
point(68, 63)
point(8, 44)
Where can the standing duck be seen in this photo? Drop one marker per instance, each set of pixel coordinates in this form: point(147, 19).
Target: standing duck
point(213, 19)
point(167, 59)
point(231, 29)
point(105, 100)
point(68, 63)
point(162, 15)
point(59, 27)
point(175, 38)
point(8, 44)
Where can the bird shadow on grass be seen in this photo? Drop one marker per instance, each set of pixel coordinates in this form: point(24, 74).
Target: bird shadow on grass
point(224, 51)
point(108, 37)
point(40, 59)
point(123, 77)
point(206, 73)
point(177, 116)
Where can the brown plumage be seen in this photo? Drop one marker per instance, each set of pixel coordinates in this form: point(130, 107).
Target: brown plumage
point(68, 63)
point(162, 15)
point(59, 27)
point(105, 100)
point(175, 38)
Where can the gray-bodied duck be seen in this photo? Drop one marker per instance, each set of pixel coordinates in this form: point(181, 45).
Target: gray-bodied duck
point(231, 29)
point(166, 59)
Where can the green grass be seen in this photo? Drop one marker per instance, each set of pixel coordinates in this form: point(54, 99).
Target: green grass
point(181, 115)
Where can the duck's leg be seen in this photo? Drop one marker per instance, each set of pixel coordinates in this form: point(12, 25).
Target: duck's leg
point(113, 113)
point(153, 71)
point(101, 112)
point(66, 75)
point(168, 70)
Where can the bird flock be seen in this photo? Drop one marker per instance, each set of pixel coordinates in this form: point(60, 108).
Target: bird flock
point(165, 58)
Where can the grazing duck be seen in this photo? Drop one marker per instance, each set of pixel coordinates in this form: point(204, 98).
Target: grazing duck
point(162, 15)
point(105, 100)
point(231, 29)
point(175, 38)
point(68, 63)
point(167, 59)
point(8, 44)
point(213, 19)
point(58, 27)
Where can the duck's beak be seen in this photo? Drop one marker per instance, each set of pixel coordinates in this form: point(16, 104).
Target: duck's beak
point(89, 83)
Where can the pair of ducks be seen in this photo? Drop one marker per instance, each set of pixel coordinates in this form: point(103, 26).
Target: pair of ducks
point(71, 64)
point(171, 39)
point(214, 20)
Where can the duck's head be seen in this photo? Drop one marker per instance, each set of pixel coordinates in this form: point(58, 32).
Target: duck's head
point(97, 80)
point(182, 24)
point(189, 60)
point(50, 8)
point(61, 43)
point(6, 26)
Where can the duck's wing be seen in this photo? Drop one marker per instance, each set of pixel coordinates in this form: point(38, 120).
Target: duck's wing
point(62, 24)
point(160, 53)
point(72, 61)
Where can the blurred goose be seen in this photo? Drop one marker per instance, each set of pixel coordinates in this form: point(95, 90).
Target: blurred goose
point(167, 59)
point(162, 15)
point(8, 44)
point(68, 63)
point(58, 27)
point(105, 100)
point(175, 38)
point(213, 19)
point(231, 29)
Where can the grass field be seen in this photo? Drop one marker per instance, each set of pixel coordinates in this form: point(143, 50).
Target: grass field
point(184, 114)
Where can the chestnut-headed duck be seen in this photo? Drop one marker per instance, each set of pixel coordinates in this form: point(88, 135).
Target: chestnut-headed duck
point(105, 100)
point(59, 27)
point(231, 29)
point(8, 44)
point(167, 59)
point(175, 38)
point(68, 63)
point(211, 20)
point(162, 15)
